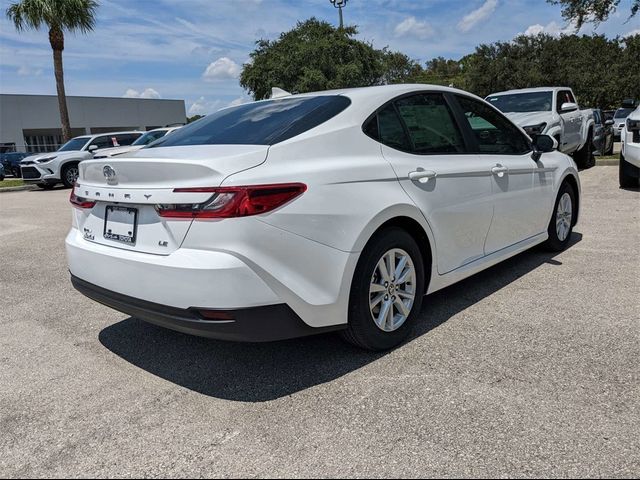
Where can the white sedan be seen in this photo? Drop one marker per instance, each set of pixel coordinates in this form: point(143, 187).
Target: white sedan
point(310, 213)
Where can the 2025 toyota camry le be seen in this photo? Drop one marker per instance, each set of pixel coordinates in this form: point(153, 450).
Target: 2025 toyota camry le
point(309, 213)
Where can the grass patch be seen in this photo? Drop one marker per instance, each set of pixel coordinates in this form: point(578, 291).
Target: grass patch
point(11, 182)
point(608, 157)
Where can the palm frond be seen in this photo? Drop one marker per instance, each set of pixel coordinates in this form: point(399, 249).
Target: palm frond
point(71, 15)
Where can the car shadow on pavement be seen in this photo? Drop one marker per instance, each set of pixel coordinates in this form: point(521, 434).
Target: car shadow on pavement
point(264, 372)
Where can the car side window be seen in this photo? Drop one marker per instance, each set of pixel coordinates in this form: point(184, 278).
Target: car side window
point(564, 96)
point(126, 139)
point(493, 132)
point(390, 129)
point(103, 142)
point(430, 123)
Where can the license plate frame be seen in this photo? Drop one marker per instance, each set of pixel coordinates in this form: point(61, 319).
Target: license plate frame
point(114, 229)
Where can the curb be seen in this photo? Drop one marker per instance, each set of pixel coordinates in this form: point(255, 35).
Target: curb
point(18, 189)
point(607, 162)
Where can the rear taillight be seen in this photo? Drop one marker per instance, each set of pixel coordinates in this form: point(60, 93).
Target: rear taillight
point(228, 202)
point(80, 202)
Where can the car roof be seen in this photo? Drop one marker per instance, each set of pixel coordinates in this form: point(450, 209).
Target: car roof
point(529, 90)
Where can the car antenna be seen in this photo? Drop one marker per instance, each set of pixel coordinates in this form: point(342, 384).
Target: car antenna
point(279, 93)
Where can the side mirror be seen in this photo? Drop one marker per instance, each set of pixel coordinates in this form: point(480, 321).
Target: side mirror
point(569, 107)
point(609, 123)
point(543, 144)
point(93, 148)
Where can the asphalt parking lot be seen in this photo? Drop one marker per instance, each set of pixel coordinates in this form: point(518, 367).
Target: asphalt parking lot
point(531, 368)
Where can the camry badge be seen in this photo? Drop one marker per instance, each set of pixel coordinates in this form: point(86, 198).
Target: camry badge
point(110, 174)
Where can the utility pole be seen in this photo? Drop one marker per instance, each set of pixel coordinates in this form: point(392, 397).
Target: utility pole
point(339, 4)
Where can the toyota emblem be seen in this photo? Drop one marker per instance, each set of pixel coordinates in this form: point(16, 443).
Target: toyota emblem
point(110, 174)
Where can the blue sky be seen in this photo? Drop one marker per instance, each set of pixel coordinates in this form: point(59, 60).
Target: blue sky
point(194, 49)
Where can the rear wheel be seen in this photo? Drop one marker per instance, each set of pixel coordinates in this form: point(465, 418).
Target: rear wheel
point(629, 175)
point(584, 157)
point(386, 292)
point(70, 174)
point(562, 220)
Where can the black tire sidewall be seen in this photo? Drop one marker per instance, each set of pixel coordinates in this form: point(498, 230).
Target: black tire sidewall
point(362, 330)
point(554, 242)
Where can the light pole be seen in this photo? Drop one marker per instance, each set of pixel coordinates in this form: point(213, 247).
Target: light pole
point(339, 4)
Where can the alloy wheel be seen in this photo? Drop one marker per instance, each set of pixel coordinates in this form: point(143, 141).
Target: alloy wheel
point(564, 217)
point(392, 290)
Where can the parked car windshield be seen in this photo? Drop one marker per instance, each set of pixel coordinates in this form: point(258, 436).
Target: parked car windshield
point(149, 137)
point(623, 112)
point(74, 144)
point(258, 123)
point(523, 102)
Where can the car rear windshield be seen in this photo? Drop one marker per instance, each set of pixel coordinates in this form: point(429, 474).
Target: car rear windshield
point(258, 123)
point(74, 144)
point(523, 102)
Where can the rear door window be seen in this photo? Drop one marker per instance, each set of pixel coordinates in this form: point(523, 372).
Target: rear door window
point(430, 123)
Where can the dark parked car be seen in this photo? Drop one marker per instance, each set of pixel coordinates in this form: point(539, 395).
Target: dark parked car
point(1, 172)
point(11, 162)
point(602, 134)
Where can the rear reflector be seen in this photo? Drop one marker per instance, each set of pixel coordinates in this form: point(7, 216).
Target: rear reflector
point(219, 315)
point(80, 202)
point(229, 202)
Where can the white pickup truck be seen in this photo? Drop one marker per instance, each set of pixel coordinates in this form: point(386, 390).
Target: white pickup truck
point(551, 111)
point(630, 153)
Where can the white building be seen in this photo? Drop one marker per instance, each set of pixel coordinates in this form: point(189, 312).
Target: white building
point(31, 123)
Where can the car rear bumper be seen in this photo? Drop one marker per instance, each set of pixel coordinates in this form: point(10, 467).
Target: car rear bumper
point(257, 324)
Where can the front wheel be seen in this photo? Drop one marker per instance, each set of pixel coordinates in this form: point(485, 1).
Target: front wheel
point(386, 292)
point(628, 174)
point(562, 220)
point(70, 175)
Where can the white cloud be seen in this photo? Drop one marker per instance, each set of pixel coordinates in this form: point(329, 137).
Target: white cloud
point(472, 19)
point(552, 28)
point(632, 33)
point(25, 71)
point(222, 68)
point(146, 93)
point(203, 106)
point(412, 27)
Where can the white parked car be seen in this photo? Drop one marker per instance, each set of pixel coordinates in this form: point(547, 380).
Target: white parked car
point(310, 213)
point(149, 137)
point(619, 119)
point(551, 111)
point(630, 152)
point(48, 169)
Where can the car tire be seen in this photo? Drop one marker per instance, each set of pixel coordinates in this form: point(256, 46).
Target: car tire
point(46, 186)
point(628, 175)
point(584, 157)
point(1, 178)
point(17, 173)
point(610, 149)
point(372, 328)
point(562, 220)
point(69, 174)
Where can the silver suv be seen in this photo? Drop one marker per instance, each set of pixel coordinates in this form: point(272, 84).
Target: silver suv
point(48, 169)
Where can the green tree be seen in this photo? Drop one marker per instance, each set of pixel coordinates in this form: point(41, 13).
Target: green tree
point(194, 118)
point(58, 16)
point(584, 11)
point(317, 56)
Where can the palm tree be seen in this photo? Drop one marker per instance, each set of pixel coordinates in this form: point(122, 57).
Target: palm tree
point(57, 16)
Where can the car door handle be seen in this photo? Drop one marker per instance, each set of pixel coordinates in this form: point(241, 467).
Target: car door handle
point(499, 170)
point(422, 176)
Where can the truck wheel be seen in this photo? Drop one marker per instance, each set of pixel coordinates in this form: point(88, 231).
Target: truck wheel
point(629, 175)
point(584, 157)
point(69, 174)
